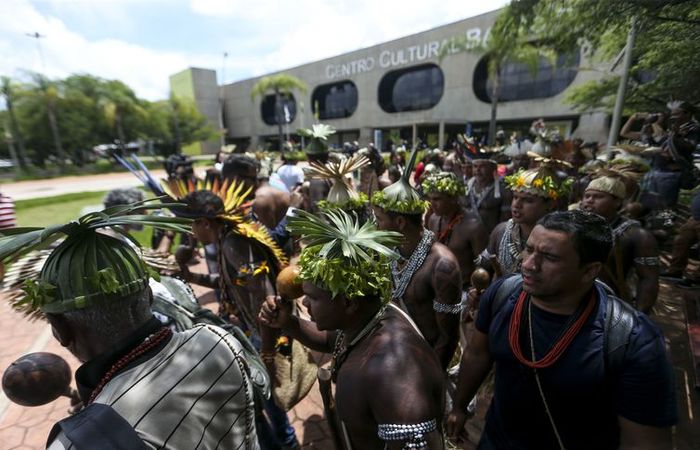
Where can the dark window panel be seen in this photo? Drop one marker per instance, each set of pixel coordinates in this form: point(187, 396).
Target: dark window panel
point(335, 100)
point(517, 82)
point(268, 113)
point(411, 89)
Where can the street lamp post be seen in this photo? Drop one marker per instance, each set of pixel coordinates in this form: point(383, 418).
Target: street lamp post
point(38, 36)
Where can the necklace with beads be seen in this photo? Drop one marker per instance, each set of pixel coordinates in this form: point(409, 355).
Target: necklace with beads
point(342, 350)
point(402, 277)
point(148, 344)
point(446, 234)
point(569, 331)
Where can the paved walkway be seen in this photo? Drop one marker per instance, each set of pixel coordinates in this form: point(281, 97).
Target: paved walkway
point(23, 190)
point(24, 428)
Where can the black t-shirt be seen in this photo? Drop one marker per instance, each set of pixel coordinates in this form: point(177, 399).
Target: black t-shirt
point(584, 404)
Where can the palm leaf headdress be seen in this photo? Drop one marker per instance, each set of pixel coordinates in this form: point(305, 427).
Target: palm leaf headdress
point(88, 266)
point(236, 211)
point(342, 194)
point(400, 197)
point(344, 256)
point(318, 138)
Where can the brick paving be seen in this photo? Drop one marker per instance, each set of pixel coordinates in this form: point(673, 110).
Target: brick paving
point(23, 428)
point(26, 428)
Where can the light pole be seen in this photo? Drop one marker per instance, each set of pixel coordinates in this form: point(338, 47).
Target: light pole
point(38, 36)
point(221, 99)
point(622, 87)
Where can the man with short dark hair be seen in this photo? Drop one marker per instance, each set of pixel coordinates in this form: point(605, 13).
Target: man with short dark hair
point(559, 384)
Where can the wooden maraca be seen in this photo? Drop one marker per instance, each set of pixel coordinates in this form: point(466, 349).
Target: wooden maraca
point(480, 280)
point(37, 379)
point(288, 283)
point(184, 254)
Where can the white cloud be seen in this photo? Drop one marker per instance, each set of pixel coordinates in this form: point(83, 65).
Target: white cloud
point(66, 52)
point(281, 34)
point(308, 30)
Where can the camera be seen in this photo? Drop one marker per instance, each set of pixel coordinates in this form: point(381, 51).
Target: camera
point(651, 118)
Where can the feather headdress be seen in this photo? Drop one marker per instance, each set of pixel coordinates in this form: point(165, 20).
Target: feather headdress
point(237, 209)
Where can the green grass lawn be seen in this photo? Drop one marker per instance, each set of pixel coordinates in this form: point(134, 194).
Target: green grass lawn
point(41, 212)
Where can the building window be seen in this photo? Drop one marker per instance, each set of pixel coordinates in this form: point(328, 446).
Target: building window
point(411, 89)
point(335, 100)
point(267, 109)
point(519, 82)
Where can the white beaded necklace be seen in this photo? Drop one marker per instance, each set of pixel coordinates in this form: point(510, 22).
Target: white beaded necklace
point(402, 277)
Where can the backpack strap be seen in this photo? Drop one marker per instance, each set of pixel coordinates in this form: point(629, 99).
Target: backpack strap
point(98, 426)
point(510, 284)
point(620, 319)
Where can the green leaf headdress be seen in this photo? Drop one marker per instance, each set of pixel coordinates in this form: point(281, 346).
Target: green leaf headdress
point(400, 197)
point(342, 195)
point(88, 266)
point(344, 256)
point(318, 138)
point(443, 183)
point(542, 181)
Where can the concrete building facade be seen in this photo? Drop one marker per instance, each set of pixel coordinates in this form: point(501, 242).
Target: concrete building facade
point(199, 85)
point(405, 88)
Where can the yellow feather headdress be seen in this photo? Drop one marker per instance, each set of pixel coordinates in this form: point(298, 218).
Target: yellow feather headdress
point(237, 210)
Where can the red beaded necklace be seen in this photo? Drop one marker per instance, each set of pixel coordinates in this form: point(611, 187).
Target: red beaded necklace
point(559, 347)
point(148, 344)
point(445, 235)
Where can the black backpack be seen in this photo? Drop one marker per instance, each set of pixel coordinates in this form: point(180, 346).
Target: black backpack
point(620, 319)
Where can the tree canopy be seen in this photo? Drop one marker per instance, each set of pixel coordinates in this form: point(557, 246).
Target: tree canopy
point(665, 64)
point(88, 111)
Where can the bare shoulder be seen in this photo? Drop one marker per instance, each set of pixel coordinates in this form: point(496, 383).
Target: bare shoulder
point(440, 251)
point(499, 230)
point(639, 237)
point(470, 221)
point(397, 349)
point(432, 222)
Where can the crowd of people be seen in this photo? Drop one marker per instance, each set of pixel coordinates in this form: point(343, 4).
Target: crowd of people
point(536, 260)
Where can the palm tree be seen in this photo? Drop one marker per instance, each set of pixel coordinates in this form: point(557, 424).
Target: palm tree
point(48, 90)
point(504, 45)
point(7, 91)
point(118, 101)
point(281, 84)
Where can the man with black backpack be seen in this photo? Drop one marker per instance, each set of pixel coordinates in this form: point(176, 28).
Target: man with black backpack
point(576, 367)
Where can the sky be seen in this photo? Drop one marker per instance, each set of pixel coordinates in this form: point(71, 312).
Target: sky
point(143, 42)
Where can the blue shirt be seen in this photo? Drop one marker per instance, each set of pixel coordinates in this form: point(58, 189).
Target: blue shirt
point(584, 401)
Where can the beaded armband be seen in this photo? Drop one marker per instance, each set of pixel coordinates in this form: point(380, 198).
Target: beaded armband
point(445, 308)
point(412, 434)
point(647, 260)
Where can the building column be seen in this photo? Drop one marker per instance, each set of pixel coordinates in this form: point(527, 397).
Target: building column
point(441, 134)
point(414, 135)
point(366, 136)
